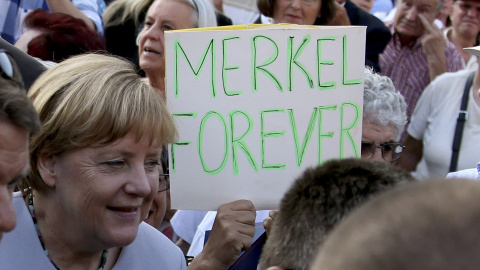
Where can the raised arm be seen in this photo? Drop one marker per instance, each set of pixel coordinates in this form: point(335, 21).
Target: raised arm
point(67, 7)
point(231, 234)
point(434, 45)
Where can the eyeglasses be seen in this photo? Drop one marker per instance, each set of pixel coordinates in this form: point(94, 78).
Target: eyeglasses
point(306, 2)
point(9, 69)
point(467, 6)
point(164, 182)
point(390, 151)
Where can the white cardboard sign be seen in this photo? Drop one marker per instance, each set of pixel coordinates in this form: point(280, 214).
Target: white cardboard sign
point(255, 107)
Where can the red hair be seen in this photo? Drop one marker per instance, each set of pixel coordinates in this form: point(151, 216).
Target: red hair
point(62, 36)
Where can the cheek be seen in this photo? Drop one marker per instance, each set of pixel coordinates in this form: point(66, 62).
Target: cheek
point(278, 9)
point(140, 40)
point(160, 202)
point(313, 13)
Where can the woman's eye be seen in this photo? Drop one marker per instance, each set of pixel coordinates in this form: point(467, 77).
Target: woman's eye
point(167, 27)
point(115, 163)
point(147, 25)
point(152, 164)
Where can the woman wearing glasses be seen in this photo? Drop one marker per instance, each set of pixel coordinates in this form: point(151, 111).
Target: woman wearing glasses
point(384, 118)
point(94, 172)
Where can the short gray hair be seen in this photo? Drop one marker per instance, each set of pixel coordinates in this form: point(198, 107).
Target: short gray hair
point(205, 13)
point(382, 104)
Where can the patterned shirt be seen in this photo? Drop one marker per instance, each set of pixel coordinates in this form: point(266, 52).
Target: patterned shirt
point(407, 66)
point(12, 13)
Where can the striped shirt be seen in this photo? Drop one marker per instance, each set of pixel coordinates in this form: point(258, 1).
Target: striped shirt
point(407, 66)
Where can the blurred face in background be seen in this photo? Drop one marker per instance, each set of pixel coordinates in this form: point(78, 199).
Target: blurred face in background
point(465, 18)
point(163, 15)
point(296, 11)
point(406, 21)
point(13, 166)
point(378, 135)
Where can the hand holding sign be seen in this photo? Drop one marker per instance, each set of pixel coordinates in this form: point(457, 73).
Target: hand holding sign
point(231, 234)
point(434, 45)
point(268, 222)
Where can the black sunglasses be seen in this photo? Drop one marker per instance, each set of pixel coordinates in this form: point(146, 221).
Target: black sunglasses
point(9, 68)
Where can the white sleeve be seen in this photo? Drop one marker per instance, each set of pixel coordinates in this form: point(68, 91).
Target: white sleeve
point(93, 9)
point(419, 121)
point(185, 223)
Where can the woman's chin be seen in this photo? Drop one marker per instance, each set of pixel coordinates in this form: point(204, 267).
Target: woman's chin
point(122, 237)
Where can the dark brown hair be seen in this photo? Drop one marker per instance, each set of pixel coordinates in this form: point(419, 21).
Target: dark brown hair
point(17, 108)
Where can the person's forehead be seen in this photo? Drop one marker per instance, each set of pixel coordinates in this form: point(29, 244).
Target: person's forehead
point(433, 3)
point(378, 133)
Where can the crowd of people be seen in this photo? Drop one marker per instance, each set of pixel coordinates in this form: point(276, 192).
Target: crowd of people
point(84, 173)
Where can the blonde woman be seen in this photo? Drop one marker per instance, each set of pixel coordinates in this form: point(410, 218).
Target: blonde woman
point(94, 172)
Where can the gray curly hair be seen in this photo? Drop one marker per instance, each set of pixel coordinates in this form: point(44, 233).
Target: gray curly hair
point(382, 104)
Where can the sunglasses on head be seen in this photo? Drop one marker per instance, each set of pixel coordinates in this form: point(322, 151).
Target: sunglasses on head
point(9, 69)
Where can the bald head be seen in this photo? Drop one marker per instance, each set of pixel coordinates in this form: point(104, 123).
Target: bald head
point(427, 225)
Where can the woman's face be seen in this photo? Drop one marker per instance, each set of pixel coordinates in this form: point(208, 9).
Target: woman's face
point(379, 135)
point(158, 208)
point(104, 192)
point(163, 15)
point(296, 11)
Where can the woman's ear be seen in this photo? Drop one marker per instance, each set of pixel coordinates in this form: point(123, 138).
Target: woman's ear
point(46, 169)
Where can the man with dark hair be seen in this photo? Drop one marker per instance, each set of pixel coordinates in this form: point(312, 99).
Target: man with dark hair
point(429, 225)
point(18, 120)
point(316, 202)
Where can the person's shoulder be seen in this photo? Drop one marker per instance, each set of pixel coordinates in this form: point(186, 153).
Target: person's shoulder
point(150, 250)
point(151, 237)
point(450, 77)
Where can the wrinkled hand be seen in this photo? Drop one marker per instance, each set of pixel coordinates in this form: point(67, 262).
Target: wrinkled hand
point(433, 41)
point(434, 45)
point(268, 222)
point(231, 234)
point(341, 16)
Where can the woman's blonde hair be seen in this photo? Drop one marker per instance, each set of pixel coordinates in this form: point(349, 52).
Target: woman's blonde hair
point(93, 99)
point(119, 11)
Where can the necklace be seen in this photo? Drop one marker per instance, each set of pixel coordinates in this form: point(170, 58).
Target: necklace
point(31, 209)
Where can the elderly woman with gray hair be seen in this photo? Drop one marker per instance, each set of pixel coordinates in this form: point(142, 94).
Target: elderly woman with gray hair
point(165, 15)
point(384, 118)
point(124, 19)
